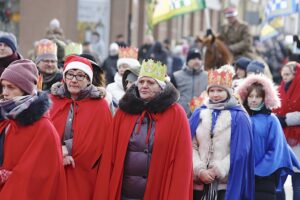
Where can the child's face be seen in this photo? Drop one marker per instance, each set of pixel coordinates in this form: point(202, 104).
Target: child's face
point(254, 100)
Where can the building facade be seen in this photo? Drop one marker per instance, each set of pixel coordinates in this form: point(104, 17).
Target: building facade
point(127, 17)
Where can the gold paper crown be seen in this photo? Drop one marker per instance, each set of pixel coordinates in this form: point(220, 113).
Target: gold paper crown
point(222, 76)
point(152, 69)
point(73, 48)
point(128, 52)
point(46, 46)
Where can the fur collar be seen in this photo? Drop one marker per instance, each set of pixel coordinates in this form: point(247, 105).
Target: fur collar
point(133, 104)
point(35, 111)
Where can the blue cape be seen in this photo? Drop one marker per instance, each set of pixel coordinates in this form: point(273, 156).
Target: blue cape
point(272, 153)
point(241, 177)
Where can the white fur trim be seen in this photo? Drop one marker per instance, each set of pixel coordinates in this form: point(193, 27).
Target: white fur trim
point(129, 61)
point(293, 118)
point(162, 84)
point(81, 66)
point(272, 100)
point(220, 160)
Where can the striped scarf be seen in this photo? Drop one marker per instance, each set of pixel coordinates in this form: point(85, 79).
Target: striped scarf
point(10, 109)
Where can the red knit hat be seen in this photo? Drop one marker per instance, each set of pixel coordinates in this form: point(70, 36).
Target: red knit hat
point(22, 73)
point(77, 62)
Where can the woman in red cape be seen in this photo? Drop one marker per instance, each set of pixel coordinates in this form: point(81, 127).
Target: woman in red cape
point(31, 166)
point(81, 117)
point(289, 113)
point(148, 153)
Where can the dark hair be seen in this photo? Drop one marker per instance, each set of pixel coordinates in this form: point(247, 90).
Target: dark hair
point(86, 43)
point(291, 65)
point(98, 74)
point(96, 33)
point(258, 88)
point(120, 36)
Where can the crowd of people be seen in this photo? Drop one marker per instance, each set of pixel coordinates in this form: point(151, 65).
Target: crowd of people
point(146, 123)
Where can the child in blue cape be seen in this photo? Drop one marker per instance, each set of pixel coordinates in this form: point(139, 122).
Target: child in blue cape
point(223, 159)
point(274, 160)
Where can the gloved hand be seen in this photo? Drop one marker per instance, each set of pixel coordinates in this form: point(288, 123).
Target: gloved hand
point(282, 121)
point(4, 175)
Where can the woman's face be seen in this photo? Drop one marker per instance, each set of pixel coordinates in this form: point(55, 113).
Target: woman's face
point(10, 90)
point(286, 74)
point(76, 80)
point(148, 88)
point(217, 94)
point(122, 68)
point(5, 50)
point(254, 100)
point(240, 73)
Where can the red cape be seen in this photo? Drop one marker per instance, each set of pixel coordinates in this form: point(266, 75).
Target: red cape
point(91, 121)
point(170, 173)
point(290, 102)
point(33, 154)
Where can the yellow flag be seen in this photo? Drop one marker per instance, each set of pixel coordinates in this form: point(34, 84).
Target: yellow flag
point(161, 10)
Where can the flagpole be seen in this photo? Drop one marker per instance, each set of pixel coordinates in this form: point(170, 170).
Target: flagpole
point(207, 18)
point(297, 20)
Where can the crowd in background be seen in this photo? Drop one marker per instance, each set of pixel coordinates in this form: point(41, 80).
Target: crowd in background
point(153, 122)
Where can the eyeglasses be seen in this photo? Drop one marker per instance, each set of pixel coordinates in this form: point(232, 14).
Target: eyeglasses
point(78, 77)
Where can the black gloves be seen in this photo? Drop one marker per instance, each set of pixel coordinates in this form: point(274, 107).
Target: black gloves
point(282, 121)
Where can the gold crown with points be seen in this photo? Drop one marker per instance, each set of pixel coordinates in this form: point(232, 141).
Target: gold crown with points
point(153, 69)
point(45, 46)
point(222, 76)
point(73, 48)
point(128, 52)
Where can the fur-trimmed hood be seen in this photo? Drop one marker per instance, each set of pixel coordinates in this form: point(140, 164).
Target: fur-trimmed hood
point(34, 112)
point(133, 104)
point(271, 101)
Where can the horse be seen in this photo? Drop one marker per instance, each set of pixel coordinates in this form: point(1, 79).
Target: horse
point(216, 53)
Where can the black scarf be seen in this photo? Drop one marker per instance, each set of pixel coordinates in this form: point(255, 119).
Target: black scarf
point(5, 61)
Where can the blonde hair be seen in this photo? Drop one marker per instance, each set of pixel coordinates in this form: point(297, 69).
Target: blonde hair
point(291, 65)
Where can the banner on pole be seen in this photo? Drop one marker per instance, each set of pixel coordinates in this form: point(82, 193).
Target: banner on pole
point(167, 9)
point(280, 8)
point(271, 29)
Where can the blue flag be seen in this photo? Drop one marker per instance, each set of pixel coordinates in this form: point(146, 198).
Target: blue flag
point(280, 8)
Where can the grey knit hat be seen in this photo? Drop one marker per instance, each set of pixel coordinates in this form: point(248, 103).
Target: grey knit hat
point(22, 73)
point(9, 39)
point(256, 67)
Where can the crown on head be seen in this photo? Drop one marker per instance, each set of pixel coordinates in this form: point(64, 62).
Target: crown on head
point(128, 52)
point(153, 69)
point(222, 76)
point(46, 46)
point(73, 48)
